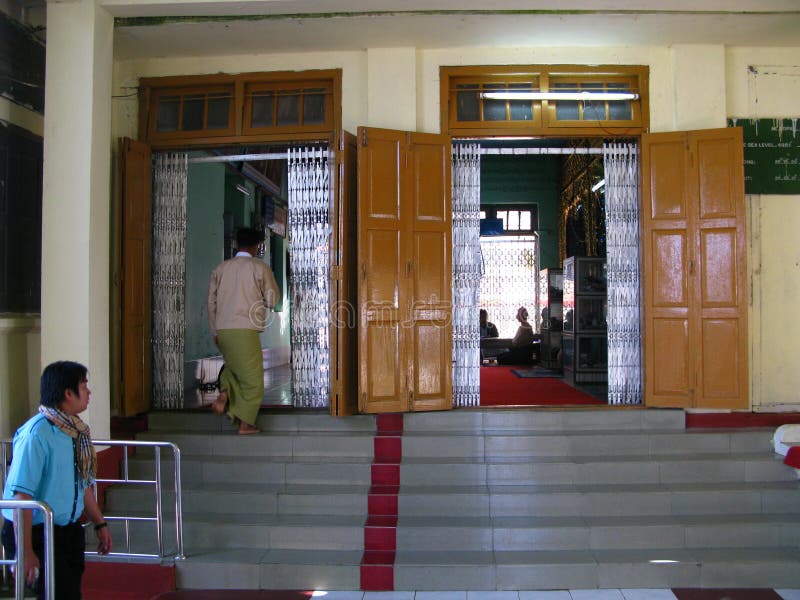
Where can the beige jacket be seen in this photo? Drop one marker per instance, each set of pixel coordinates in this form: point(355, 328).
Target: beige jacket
point(240, 292)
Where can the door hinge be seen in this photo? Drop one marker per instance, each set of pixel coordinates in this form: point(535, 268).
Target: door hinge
point(410, 399)
point(364, 137)
point(363, 271)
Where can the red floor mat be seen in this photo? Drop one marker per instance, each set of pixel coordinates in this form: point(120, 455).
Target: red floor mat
point(725, 594)
point(500, 387)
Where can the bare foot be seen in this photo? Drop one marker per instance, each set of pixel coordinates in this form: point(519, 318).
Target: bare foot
point(246, 429)
point(219, 404)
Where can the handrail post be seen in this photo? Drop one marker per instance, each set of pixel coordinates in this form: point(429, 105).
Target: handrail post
point(178, 501)
point(159, 508)
point(19, 538)
point(19, 541)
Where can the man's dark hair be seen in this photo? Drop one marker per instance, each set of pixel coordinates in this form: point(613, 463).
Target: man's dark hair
point(248, 237)
point(57, 378)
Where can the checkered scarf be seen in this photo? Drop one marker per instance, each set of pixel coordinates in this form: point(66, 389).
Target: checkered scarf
point(85, 456)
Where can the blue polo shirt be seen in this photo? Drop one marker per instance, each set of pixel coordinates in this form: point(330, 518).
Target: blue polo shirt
point(43, 466)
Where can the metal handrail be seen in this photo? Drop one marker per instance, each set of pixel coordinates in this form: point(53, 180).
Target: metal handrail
point(19, 536)
point(157, 483)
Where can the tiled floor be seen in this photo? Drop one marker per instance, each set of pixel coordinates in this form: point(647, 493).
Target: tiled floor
point(278, 390)
point(632, 594)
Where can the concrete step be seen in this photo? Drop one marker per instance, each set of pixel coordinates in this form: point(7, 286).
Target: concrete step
point(577, 419)
point(479, 420)
point(757, 567)
point(493, 445)
point(774, 498)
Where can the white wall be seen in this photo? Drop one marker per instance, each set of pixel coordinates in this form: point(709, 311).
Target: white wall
point(20, 346)
point(764, 83)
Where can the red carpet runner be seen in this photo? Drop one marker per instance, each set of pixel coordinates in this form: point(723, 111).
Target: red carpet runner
point(500, 387)
point(380, 529)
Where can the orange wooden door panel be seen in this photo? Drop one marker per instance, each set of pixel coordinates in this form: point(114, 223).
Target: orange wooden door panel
point(717, 189)
point(344, 347)
point(430, 329)
point(136, 178)
point(695, 307)
point(666, 251)
point(383, 267)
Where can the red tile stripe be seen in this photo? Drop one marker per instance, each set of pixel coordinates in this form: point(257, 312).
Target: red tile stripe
point(380, 528)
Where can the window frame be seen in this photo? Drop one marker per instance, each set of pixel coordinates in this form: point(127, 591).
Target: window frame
point(183, 93)
point(240, 130)
point(532, 207)
point(281, 87)
point(452, 76)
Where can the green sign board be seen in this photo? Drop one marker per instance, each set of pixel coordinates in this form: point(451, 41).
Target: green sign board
point(771, 155)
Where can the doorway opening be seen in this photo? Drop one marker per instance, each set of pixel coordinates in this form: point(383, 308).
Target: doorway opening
point(200, 200)
point(565, 182)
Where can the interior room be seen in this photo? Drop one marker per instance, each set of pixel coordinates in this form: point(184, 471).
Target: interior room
point(228, 189)
point(542, 201)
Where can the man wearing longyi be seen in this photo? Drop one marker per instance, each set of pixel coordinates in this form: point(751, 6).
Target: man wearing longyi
point(240, 292)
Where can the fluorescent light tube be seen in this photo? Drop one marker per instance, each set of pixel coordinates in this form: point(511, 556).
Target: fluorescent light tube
point(560, 95)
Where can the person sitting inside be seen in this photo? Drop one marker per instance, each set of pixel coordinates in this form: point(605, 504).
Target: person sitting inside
point(522, 346)
point(488, 330)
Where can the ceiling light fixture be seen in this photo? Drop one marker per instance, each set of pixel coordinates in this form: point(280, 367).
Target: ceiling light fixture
point(598, 185)
point(613, 96)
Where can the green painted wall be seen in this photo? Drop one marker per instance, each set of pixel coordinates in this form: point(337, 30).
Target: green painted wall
point(523, 180)
point(204, 245)
point(236, 203)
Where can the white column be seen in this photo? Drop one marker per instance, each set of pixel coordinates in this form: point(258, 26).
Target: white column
point(76, 196)
point(392, 88)
point(699, 76)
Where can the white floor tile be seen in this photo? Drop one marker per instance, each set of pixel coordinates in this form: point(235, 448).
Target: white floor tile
point(352, 595)
point(596, 595)
point(388, 595)
point(789, 594)
point(550, 595)
point(644, 594)
point(440, 596)
point(492, 595)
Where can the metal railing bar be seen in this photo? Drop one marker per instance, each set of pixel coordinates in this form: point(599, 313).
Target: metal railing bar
point(138, 519)
point(139, 481)
point(124, 554)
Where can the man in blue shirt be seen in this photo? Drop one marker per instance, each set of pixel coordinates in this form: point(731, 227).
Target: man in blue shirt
point(54, 462)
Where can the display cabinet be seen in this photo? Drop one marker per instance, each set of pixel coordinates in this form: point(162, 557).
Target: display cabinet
point(551, 292)
point(584, 305)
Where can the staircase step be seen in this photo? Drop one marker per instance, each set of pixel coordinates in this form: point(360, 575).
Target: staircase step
point(494, 570)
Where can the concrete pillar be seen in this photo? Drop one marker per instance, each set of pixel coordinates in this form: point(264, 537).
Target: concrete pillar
point(392, 82)
point(76, 196)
